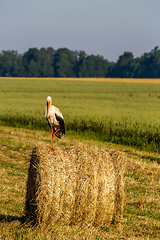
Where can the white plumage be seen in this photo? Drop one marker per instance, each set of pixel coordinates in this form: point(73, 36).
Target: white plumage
point(55, 120)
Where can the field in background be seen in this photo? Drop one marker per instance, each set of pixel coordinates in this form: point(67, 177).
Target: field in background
point(119, 112)
point(132, 80)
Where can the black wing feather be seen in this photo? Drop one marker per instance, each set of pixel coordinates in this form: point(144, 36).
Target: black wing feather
point(61, 122)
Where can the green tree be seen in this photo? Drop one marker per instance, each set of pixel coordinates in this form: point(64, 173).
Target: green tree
point(93, 66)
point(42, 63)
point(64, 63)
point(7, 61)
point(123, 67)
point(148, 65)
point(80, 64)
point(18, 67)
point(45, 65)
point(101, 68)
point(50, 66)
point(30, 60)
point(33, 70)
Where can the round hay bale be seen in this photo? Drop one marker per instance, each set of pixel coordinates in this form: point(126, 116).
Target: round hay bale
point(75, 185)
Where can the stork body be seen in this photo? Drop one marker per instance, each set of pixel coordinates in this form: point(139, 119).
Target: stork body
point(55, 120)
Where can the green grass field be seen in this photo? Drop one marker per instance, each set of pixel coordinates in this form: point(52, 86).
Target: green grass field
point(120, 112)
point(121, 115)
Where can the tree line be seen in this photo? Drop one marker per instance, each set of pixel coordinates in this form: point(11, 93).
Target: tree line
point(63, 62)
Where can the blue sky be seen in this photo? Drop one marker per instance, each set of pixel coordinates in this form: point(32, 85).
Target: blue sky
point(104, 27)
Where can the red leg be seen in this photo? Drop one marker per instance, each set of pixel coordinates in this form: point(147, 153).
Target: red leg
point(52, 139)
point(57, 131)
point(53, 134)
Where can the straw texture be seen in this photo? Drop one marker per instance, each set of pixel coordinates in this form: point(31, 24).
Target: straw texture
point(75, 185)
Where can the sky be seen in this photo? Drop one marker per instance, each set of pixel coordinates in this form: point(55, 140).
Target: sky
point(101, 27)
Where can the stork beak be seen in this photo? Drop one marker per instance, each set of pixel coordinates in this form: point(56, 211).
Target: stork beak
point(48, 104)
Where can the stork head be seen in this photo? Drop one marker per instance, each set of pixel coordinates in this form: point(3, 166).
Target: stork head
point(49, 101)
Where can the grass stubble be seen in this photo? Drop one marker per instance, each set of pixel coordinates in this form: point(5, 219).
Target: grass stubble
point(141, 217)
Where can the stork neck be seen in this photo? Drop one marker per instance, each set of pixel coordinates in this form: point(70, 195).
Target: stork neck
point(48, 105)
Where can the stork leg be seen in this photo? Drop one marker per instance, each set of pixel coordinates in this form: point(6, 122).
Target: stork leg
point(53, 134)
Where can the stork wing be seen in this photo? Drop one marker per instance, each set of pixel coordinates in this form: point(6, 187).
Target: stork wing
point(61, 122)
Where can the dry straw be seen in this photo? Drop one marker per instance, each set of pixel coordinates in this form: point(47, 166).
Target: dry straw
point(75, 185)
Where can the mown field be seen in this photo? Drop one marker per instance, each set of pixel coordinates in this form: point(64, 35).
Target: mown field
point(121, 115)
point(141, 217)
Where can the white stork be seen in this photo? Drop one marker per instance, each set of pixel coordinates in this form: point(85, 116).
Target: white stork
point(55, 120)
